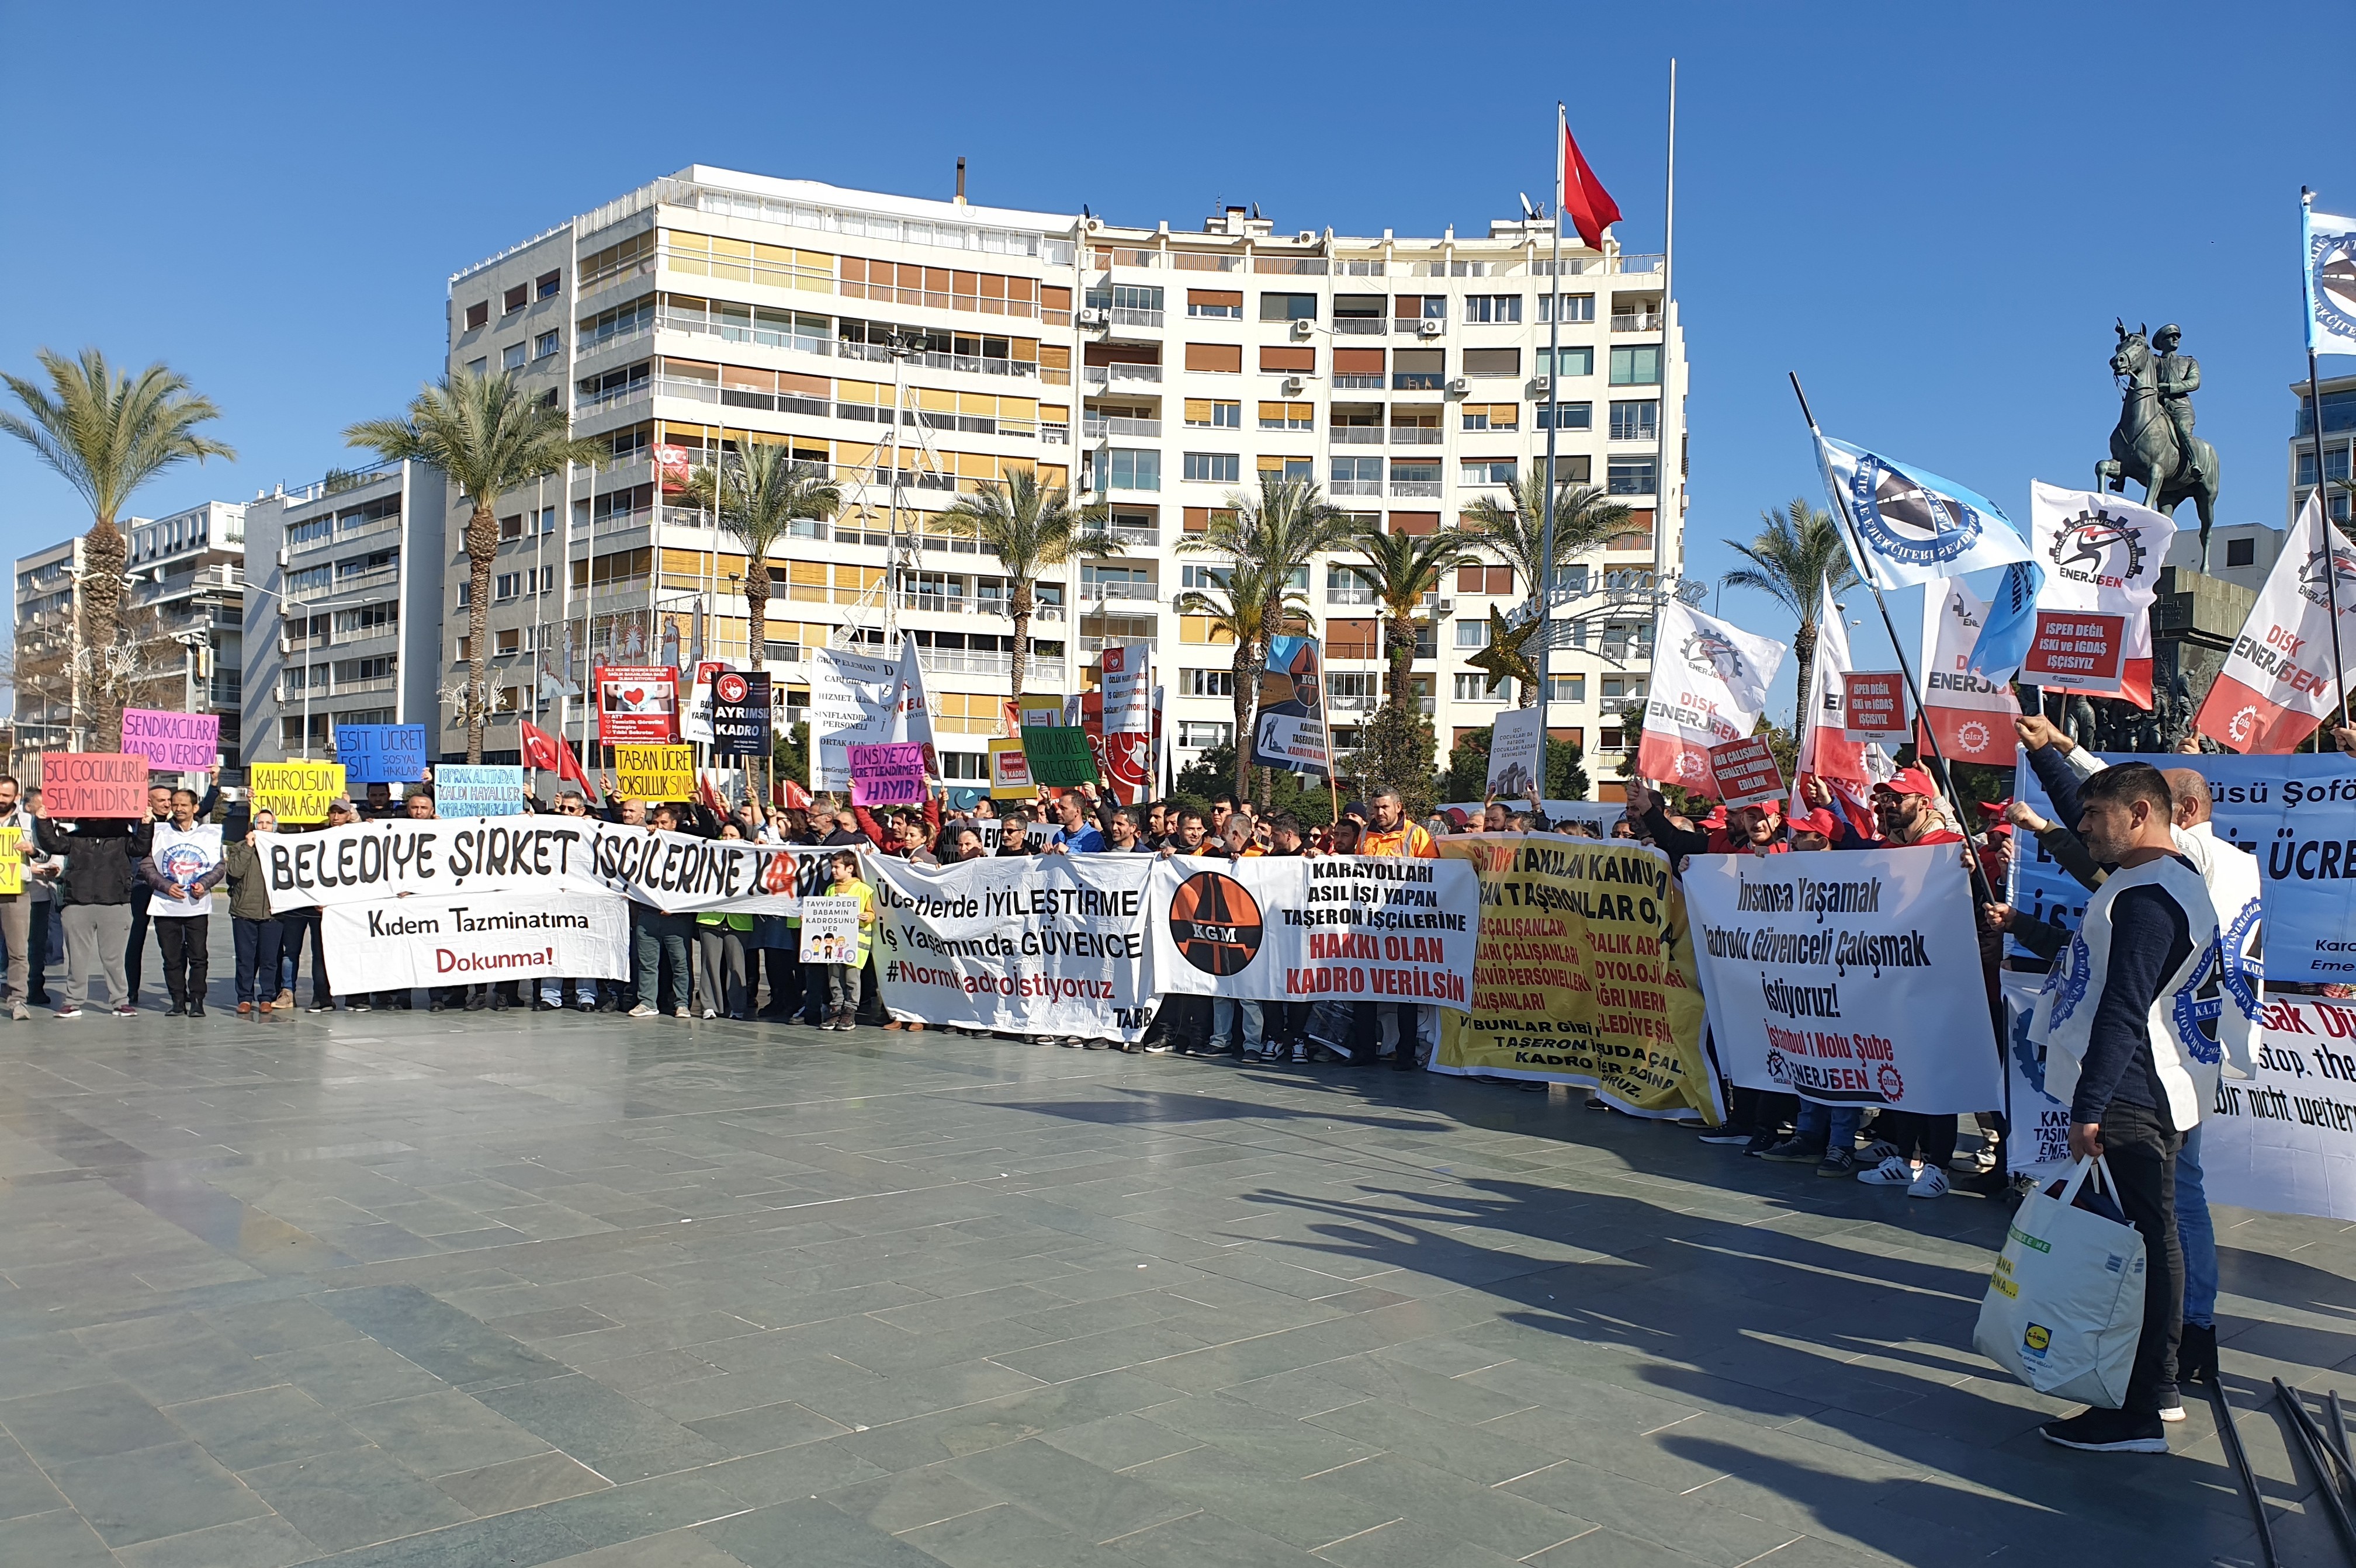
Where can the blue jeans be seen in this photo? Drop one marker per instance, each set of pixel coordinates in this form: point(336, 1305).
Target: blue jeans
point(663, 941)
point(2196, 1235)
point(1223, 1024)
point(1824, 1126)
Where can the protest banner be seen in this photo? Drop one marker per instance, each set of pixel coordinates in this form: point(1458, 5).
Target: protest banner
point(295, 792)
point(2037, 1135)
point(637, 704)
point(381, 754)
point(740, 714)
point(1125, 720)
point(1517, 747)
point(171, 742)
point(1289, 731)
point(2103, 553)
point(1040, 944)
point(888, 775)
point(1710, 685)
point(695, 707)
point(362, 862)
point(654, 772)
point(860, 699)
point(12, 860)
point(831, 930)
point(1058, 756)
point(185, 857)
point(2082, 650)
point(1970, 715)
point(1747, 773)
point(93, 784)
point(1583, 975)
point(684, 874)
point(483, 789)
point(1847, 978)
point(448, 939)
point(1009, 771)
point(1875, 706)
point(1291, 929)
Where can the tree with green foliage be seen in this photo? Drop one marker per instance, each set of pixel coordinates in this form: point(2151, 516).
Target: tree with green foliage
point(1030, 528)
point(1795, 551)
point(1467, 775)
point(1585, 518)
point(756, 494)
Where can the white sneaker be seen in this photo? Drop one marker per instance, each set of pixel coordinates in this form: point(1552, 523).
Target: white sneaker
point(642, 1011)
point(1929, 1182)
point(1891, 1172)
point(710, 1014)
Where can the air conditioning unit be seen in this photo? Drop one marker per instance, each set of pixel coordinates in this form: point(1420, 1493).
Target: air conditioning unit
point(1458, 387)
point(1541, 386)
point(1303, 328)
point(1430, 328)
point(1307, 236)
point(1092, 317)
point(1292, 386)
point(1445, 607)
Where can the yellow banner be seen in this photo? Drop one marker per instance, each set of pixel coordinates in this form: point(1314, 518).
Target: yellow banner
point(1584, 974)
point(12, 860)
point(295, 792)
point(654, 772)
point(1009, 771)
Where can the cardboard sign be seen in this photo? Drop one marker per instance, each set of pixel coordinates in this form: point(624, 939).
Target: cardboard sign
point(381, 754)
point(171, 742)
point(888, 775)
point(654, 772)
point(488, 789)
point(1515, 746)
point(1747, 772)
point(295, 792)
point(695, 714)
point(94, 784)
point(1009, 771)
point(831, 929)
point(637, 704)
point(1038, 713)
point(740, 714)
point(12, 860)
point(1059, 755)
point(2082, 649)
point(1874, 706)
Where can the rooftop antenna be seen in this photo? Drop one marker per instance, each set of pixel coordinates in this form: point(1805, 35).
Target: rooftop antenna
point(960, 188)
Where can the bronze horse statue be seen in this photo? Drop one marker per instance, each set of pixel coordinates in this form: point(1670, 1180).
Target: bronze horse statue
point(2143, 445)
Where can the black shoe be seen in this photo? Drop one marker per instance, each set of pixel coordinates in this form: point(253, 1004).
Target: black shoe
point(1729, 1133)
point(474, 1005)
point(544, 1006)
point(2196, 1354)
point(436, 1005)
point(196, 1009)
point(1761, 1141)
point(176, 1011)
point(498, 1003)
point(585, 1006)
point(320, 1005)
point(2108, 1432)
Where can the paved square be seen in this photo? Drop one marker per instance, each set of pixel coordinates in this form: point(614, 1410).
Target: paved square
point(522, 1288)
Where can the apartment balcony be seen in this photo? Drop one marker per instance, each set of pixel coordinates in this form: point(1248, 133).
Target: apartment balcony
point(1360, 596)
point(1356, 434)
point(1127, 316)
point(1099, 426)
point(1361, 383)
point(1409, 488)
point(1109, 375)
point(1360, 325)
point(1415, 435)
point(973, 364)
point(1420, 327)
point(1101, 593)
point(1054, 435)
point(361, 581)
point(1134, 538)
point(1636, 321)
point(1356, 487)
point(619, 396)
point(989, 665)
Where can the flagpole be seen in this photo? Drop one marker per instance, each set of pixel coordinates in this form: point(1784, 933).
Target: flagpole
point(1905, 667)
point(1661, 487)
point(2322, 487)
point(1542, 591)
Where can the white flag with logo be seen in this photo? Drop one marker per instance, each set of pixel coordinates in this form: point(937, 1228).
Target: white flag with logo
point(2281, 678)
point(2102, 555)
point(2330, 284)
point(1968, 714)
point(1709, 686)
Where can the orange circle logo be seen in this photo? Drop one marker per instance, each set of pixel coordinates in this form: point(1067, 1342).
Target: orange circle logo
point(1215, 924)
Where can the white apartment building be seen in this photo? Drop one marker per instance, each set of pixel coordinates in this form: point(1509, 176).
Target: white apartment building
point(49, 605)
point(1160, 371)
point(343, 619)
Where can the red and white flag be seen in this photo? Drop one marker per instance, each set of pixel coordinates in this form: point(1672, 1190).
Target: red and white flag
point(1968, 714)
point(1709, 686)
point(1828, 754)
point(552, 753)
point(2280, 680)
point(1579, 195)
point(2102, 556)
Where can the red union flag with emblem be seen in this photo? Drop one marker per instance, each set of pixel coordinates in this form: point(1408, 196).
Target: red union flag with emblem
point(2280, 681)
point(1710, 685)
point(1969, 715)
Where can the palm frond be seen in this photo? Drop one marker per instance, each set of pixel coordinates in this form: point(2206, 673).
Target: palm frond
point(107, 432)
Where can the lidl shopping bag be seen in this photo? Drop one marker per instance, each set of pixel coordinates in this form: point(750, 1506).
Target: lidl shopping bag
point(2065, 1304)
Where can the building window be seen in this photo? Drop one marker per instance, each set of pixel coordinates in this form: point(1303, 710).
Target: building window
point(1213, 467)
point(1623, 688)
point(1357, 476)
point(1575, 308)
point(549, 284)
point(2241, 552)
point(1205, 413)
point(965, 765)
point(543, 345)
point(512, 357)
point(1578, 361)
point(1215, 358)
point(1347, 585)
point(1221, 304)
point(1206, 683)
point(1567, 688)
point(1472, 633)
point(1287, 416)
point(1474, 687)
point(1500, 363)
point(1288, 307)
point(477, 366)
point(1637, 364)
point(1488, 471)
point(1203, 577)
point(1636, 421)
point(1498, 580)
point(1419, 369)
point(1574, 416)
point(1200, 734)
point(515, 299)
point(1493, 308)
point(507, 586)
point(1630, 476)
point(479, 315)
point(1130, 469)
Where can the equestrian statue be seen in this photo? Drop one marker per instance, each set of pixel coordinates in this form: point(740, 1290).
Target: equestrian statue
point(2153, 441)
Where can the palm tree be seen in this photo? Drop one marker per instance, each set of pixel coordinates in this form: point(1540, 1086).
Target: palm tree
point(1584, 518)
point(1796, 551)
point(1271, 540)
point(488, 436)
point(1030, 528)
point(758, 495)
point(1402, 569)
point(107, 433)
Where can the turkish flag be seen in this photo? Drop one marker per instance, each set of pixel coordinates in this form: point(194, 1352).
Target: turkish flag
point(1590, 207)
point(542, 750)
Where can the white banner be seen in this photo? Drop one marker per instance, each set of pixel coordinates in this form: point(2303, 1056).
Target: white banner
point(680, 873)
point(1302, 929)
point(184, 857)
point(1710, 685)
point(1850, 978)
point(395, 945)
point(1051, 945)
point(2038, 1141)
point(862, 699)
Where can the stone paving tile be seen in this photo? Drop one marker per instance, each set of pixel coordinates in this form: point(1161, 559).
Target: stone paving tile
point(418, 1292)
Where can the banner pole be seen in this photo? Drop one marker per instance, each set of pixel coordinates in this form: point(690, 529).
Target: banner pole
point(2330, 550)
point(1946, 776)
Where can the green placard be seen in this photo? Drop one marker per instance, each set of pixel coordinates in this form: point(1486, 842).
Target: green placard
point(1059, 755)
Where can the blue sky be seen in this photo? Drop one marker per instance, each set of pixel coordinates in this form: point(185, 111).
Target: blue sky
point(1931, 215)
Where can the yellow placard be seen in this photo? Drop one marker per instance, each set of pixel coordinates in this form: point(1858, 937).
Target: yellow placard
point(295, 792)
point(654, 772)
point(1010, 772)
point(12, 860)
point(1040, 712)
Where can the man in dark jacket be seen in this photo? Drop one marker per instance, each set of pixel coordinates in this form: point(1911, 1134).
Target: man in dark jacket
point(95, 891)
point(159, 815)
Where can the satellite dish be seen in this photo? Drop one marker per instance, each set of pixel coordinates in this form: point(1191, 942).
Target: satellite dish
point(1528, 211)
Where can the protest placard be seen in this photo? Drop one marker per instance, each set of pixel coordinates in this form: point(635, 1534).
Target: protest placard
point(1874, 706)
point(654, 772)
point(1516, 744)
point(1059, 756)
point(381, 754)
point(93, 784)
point(740, 714)
point(888, 775)
point(483, 789)
point(860, 699)
point(171, 742)
point(2080, 649)
point(295, 792)
point(1038, 713)
point(1747, 772)
point(695, 700)
point(831, 930)
point(1009, 771)
point(12, 860)
point(637, 704)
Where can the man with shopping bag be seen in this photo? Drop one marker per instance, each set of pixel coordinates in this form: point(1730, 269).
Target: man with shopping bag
point(2115, 1019)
